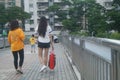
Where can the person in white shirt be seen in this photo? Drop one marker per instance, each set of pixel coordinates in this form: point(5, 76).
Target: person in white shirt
point(44, 41)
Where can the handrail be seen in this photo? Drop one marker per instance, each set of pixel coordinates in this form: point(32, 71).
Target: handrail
point(95, 58)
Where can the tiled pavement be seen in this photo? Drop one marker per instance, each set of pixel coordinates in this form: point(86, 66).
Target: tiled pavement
point(31, 67)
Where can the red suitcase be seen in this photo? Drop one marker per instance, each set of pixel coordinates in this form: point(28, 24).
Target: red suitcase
point(52, 60)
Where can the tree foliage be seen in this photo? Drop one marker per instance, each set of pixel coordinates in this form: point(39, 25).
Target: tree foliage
point(62, 15)
point(8, 14)
point(116, 2)
point(96, 15)
point(3, 14)
point(96, 18)
point(114, 16)
point(17, 13)
point(66, 2)
point(70, 25)
point(54, 8)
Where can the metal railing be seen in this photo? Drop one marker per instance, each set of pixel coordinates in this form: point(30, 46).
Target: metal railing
point(95, 58)
point(4, 41)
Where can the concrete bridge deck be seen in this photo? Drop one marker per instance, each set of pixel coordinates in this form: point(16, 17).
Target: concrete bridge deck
point(31, 66)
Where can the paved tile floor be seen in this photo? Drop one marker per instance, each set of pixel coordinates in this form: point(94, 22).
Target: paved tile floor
point(31, 67)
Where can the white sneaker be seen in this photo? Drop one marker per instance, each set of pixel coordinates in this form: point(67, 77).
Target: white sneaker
point(43, 68)
point(46, 69)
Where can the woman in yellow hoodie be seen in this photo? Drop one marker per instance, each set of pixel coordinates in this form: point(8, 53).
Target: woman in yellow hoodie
point(15, 38)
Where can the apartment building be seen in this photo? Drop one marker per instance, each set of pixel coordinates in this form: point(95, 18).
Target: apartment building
point(106, 3)
point(9, 3)
point(38, 8)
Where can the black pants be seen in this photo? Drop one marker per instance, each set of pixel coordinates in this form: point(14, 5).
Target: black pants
point(21, 56)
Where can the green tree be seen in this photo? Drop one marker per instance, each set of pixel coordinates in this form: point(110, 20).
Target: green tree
point(96, 18)
point(94, 14)
point(54, 8)
point(116, 2)
point(73, 15)
point(70, 25)
point(114, 18)
point(61, 15)
point(17, 13)
point(58, 11)
point(3, 15)
point(8, 14)
point(99, 20)
point(66, 2)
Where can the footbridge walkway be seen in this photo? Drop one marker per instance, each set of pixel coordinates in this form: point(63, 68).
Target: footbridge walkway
point(77, 58)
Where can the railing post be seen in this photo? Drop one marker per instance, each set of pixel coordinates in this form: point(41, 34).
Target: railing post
point(96, 59)
point(114, 65)
point(72, 39)
point(118, 65)
point(82, 42)
point(82, 67)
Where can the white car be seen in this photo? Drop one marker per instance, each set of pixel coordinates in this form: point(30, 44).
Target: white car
point(56, 40)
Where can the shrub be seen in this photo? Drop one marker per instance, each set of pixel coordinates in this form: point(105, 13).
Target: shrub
point(115, 35)
point(102, 35)
point(79, 33)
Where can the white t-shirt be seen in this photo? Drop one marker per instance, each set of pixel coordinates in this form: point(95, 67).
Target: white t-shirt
point(45, 39)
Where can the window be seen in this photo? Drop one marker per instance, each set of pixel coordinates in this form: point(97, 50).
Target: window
point(31, 5)
point(108, 4)
point(31, 21)
point(31, 29)
point(50, 0)
point(31, 13)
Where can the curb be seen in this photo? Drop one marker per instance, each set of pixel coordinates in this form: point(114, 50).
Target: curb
point(76, 71)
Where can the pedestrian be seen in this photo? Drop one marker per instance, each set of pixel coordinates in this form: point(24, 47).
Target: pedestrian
point(32, 42)
point(15, 38)
point(44, 41)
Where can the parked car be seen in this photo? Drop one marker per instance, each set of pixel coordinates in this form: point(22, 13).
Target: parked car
point(56, 40)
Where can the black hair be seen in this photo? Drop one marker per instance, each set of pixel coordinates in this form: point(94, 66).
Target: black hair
point(42, 27)
point(14, 25)
point(32, 35)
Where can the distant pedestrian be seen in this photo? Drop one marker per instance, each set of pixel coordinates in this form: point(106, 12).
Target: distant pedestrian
point(44, 41)
point(15, 38)
point(32, 42)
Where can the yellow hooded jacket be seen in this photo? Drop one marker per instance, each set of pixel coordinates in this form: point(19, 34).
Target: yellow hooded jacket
point(16, 38)
point(32, 40)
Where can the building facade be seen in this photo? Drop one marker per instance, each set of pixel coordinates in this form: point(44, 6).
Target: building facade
point(38, 8)
point(106, 3)
point(9, 3)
